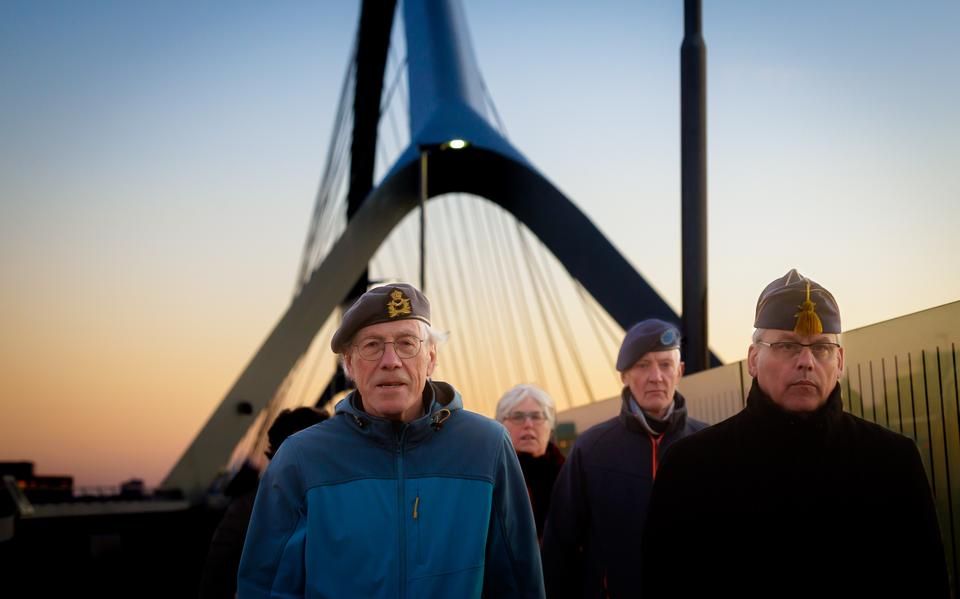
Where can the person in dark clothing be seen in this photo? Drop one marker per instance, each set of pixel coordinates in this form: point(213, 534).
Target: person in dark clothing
point(792, 497)
point(219, 578)
point(591, 543)
point(530, 414)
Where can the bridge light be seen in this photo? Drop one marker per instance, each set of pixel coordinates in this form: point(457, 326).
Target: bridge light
point(455, 144)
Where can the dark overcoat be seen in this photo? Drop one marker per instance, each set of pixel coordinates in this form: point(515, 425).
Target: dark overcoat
point(773, 504)
point(540, 474)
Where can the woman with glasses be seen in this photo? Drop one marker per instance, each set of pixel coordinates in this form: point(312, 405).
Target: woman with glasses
point(529, 415)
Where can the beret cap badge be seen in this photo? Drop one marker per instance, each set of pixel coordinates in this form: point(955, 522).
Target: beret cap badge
point(669, 337)
point(650, 335)
point(387, 303)
point(398, 304)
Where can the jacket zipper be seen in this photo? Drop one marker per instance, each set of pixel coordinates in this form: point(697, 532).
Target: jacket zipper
point(655, 445)
point(401, 576)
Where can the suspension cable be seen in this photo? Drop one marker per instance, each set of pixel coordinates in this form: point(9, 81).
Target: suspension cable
point(490, 250)
point(460, 209)
point(553, 295)
point(592, 318)
point(447, 209)
point(524, 304)
point(543, 315)
point(335, 189)
point(501, 127)
point(320, 197)
point(492, 223)
point(393, 85)
point(446, 282)
point(438, 266)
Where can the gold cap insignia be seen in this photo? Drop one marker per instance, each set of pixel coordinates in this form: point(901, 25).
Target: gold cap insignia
point(808, 323)
point(398, 305)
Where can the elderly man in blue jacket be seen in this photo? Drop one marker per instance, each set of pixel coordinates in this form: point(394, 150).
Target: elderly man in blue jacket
point(402, 493)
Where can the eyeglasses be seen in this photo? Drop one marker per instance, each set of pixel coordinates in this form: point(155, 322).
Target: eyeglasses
point(792, 349)
point(372, 348)
point(520, 417)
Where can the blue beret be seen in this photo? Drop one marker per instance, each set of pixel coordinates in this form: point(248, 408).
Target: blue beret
point(795, 303)
point(399, 301)
point(644, 337)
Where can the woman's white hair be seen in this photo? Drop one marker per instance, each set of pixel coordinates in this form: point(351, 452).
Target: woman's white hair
point(517, 394)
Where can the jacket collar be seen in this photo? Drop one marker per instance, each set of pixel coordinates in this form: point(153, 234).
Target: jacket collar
point(775, 420)
point(441, 401)
point(551, 460)
point(636, 420)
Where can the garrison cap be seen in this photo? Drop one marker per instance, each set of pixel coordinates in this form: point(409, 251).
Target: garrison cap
point(387, 303)
point(644, 337)
point(795, 303)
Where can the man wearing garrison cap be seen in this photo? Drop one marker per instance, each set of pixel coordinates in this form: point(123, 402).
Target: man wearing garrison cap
point(792, 496)
point(591, 543)
point(402, 493)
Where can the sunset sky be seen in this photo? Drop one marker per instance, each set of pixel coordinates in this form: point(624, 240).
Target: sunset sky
point(159, 163)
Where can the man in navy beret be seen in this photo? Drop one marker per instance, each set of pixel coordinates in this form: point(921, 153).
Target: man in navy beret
point(402, 493)
point(792, 496)
point(591, 543)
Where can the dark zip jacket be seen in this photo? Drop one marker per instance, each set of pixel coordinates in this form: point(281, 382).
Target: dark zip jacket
point(591, 543)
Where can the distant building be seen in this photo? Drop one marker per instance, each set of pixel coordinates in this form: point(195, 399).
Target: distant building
point(38, 489)
point(132, 489)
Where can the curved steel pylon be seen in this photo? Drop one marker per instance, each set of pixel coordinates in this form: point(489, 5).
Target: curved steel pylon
point(446, 103)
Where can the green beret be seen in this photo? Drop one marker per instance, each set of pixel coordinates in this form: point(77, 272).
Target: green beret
point(388, 303)
point(644, 337)
point(795, 303)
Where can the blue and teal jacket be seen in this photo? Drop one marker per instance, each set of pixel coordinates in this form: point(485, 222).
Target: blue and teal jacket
point(360, 506)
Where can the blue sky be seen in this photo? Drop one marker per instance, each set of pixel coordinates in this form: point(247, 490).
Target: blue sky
point(159, 163)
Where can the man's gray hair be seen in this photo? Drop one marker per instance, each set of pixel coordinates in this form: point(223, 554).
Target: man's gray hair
point(517, 394)
point(436, 337)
